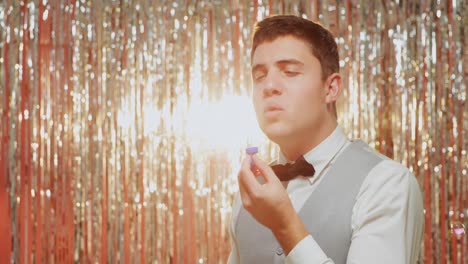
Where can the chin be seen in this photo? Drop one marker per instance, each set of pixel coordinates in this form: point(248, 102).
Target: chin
point(275, 132)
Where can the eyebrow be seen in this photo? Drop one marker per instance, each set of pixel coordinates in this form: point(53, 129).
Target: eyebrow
point(280, 63)
point(283, 63)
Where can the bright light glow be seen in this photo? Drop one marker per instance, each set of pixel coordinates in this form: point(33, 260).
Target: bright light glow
point(229, 124)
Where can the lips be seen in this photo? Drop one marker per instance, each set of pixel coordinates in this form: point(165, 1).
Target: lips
point(272, 108)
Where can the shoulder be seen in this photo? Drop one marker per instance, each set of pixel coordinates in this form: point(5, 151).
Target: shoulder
point(390, 191)
point(390, 175)
point(389, 186)
point(386, 169)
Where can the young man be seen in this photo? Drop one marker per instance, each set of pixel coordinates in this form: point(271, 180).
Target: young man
point(354, 205)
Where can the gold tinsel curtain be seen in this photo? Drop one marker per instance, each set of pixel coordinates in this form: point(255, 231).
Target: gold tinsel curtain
point(123, 122)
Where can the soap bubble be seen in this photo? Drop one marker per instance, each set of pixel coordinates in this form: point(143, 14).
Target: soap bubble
point(457, 229)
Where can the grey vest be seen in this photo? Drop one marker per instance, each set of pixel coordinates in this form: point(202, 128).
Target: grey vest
point(326, 213)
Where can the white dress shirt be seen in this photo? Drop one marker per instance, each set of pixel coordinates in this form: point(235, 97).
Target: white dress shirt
point(387, 219)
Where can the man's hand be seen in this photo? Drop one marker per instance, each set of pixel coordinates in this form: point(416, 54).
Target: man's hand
point(269, 204)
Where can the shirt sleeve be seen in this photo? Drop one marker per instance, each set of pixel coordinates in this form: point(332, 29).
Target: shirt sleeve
point(388, 217)
point(307, 251)
point(234, 255)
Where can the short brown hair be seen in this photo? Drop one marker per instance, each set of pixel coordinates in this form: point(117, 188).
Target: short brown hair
point(321, 41)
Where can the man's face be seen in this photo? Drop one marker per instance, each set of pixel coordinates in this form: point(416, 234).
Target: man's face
point(289, 93)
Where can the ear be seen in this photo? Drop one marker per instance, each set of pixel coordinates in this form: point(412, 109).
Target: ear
point(333, 87)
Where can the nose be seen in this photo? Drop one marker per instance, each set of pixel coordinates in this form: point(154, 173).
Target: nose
point(272, 85)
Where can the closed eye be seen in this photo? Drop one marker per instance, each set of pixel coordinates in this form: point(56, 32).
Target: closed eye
point(291, 73)
point(258, 77)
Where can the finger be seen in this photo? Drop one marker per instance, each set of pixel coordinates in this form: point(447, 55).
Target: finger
point(265, 170)
point(245, 198)
point(247, 178)
point(254, 169)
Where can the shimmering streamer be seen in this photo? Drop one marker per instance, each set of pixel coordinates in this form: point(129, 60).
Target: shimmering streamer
point(124, 122)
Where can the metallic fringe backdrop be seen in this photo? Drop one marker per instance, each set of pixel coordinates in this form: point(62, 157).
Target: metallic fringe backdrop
point(123, 123)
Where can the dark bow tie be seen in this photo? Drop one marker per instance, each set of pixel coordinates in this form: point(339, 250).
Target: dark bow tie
point(289, 171)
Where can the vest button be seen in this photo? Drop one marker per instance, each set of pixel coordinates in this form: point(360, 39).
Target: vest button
point(279, 251)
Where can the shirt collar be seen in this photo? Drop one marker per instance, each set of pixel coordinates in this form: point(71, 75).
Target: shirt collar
point(321, 155)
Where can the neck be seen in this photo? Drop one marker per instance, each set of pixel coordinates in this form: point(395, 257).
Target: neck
point(299, 145)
